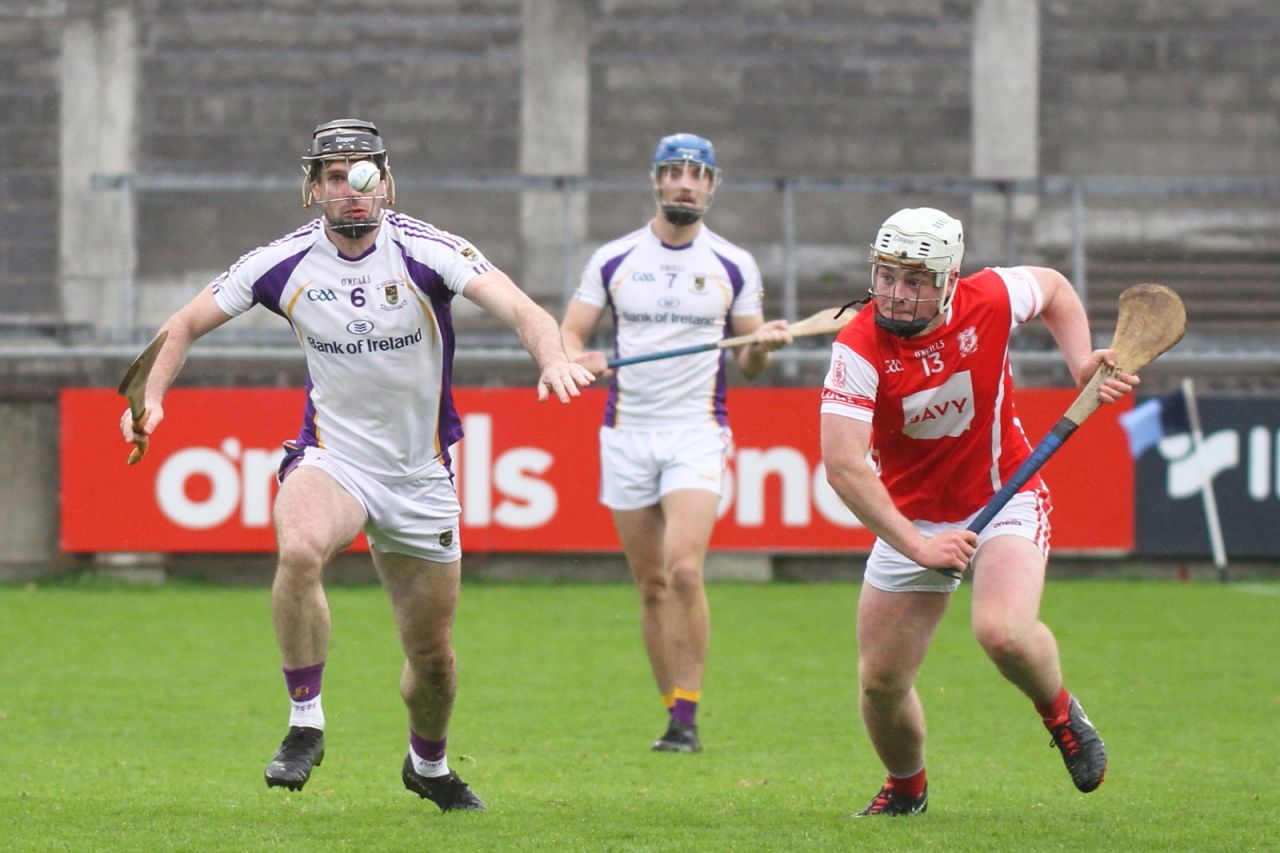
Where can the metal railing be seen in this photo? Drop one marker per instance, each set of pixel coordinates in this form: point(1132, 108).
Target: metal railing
point(1077, 191)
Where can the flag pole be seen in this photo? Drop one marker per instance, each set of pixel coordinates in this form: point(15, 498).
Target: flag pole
point(1206, 482)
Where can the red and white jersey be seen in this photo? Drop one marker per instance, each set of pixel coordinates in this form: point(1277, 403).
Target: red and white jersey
point(944, 433)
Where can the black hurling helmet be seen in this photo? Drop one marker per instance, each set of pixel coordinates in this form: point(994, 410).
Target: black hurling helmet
point(350, 139)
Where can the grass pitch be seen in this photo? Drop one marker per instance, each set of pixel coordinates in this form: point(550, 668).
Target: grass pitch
point(141, 719)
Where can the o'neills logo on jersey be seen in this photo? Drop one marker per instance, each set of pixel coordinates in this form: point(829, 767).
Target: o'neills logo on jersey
point(942, 412)
point(937, 346)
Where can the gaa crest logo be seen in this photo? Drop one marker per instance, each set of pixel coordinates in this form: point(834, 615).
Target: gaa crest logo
point(446, 539)
point(470, 254)
point(699, 283)
point(968, 341)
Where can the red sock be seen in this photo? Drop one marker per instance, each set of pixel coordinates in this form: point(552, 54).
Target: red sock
point(909, 786)
point(1057, 709)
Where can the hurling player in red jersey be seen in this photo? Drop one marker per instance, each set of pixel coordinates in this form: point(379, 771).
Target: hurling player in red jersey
point(918, 433)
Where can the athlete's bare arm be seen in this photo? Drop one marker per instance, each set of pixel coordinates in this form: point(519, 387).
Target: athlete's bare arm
point(579, 322)
point(1065, 317)
point(495, 292)
point(189, 323)
point(845, 443)
point(754, 358)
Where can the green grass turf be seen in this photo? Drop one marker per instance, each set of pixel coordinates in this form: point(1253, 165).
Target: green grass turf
point(141, 719)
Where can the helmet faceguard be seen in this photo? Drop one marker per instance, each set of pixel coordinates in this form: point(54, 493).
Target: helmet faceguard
point(915, 264)
point(685, 177)
point(349, 141)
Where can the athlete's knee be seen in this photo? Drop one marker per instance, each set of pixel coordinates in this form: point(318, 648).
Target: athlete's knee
point(431, 659)
point(1001, 639)
point(883, 685)
point(306, 551)
point(300, 557)
point(654, 587)
point(686, 576)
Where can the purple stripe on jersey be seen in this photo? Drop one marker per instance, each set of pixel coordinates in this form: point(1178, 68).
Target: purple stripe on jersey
point(433, 287)
point(308, 230)
point(436, 239)
point(307, 435)
point(735, 274)
point(737, 282)
point(722, 385)
point(680, 248)
point(267, 289)
point(418, 228)
point(607, 269)
point(373, 247)
point(611, 401)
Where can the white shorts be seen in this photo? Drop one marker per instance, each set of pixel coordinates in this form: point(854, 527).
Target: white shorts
point(418, 517)
point(1025, 515)
point(638, 467)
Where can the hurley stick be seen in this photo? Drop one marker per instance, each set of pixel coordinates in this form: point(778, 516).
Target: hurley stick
point(1151, 320)
point(134, 387)
point(823, 322)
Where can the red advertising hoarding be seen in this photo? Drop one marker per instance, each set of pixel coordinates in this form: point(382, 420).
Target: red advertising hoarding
point(527, 474)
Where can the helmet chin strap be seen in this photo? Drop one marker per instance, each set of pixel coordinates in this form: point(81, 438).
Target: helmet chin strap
point(902, 328)
point(352, 228)
point(681, 214)
point(355, 228)
point(905, 328)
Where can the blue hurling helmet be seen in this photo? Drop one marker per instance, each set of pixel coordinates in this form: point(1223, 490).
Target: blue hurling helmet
point(685, 146)
point(687, 150)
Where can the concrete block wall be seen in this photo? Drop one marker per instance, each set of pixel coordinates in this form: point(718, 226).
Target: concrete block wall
point(236, 88)
point(1161, 88)
point(29, 130)
point(784, 87)
point(29, 471)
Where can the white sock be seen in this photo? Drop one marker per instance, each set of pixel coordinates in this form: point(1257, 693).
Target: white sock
point(429, 768)
point(308, 713)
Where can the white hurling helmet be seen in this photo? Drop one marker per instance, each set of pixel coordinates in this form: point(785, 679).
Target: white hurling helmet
point(923, 238)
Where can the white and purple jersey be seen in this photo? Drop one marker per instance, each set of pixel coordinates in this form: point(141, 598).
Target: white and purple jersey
point(665, 297)
point(378, 335)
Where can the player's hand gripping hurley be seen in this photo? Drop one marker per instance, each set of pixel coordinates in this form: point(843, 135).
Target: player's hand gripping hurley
point(823, 322)
point(134, 388)
point(1151, 319)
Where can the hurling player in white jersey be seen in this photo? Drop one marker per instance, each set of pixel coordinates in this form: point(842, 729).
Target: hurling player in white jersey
point(663, 445)
point(367, 291)
point(918, 434)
